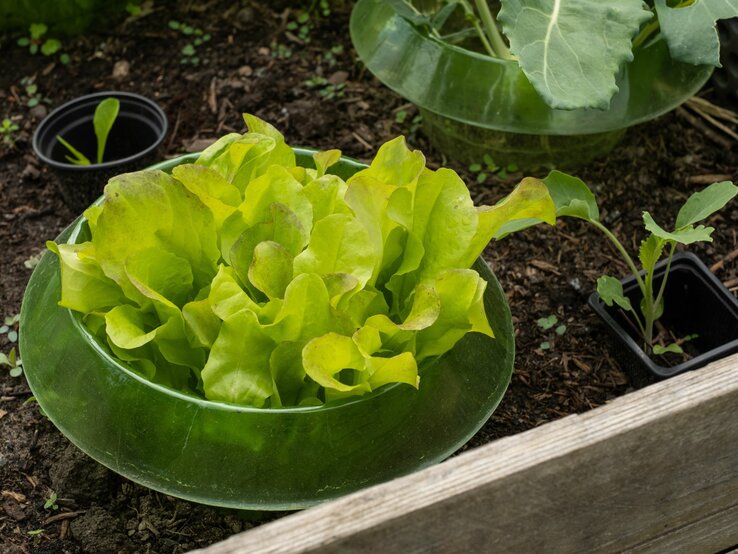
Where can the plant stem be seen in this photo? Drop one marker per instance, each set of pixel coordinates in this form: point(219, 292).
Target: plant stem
point(648, 309)
point(646, 289)
point(662, 288)
point(652, 27)
point(623, 253)
point(472, 17)
point(493, 33)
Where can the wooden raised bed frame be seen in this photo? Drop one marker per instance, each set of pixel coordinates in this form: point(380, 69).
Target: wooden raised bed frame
point(653, 471)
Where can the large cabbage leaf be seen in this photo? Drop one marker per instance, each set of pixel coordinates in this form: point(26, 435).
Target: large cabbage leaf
point(572, 50)
point(690, 30)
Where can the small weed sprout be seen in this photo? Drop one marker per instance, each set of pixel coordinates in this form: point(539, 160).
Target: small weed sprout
point(50, 503)
point(34, 96)
point(489, 167)
point(548, 323)
point(8, 130)
point(280, 51)
point(37, 43)
point(325, 88)
point(198, 38)
point(13, 362)
point(9, 328)
point(331, 56)
point(301, 26)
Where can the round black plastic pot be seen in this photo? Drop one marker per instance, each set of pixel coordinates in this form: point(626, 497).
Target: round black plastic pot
point(132, 144)
point(695, 303)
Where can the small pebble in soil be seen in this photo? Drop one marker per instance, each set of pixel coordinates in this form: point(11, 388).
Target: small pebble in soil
point(39, 112)
point(30, 172)
point(121, 70)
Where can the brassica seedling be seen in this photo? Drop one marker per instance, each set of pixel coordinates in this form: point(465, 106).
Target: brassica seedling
point(574, 199)
point(572, 50)
point(106, 113)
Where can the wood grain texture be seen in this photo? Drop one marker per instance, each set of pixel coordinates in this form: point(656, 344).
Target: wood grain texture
point(653, 471)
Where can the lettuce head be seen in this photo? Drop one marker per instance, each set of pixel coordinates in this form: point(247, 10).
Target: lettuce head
point(247, 279)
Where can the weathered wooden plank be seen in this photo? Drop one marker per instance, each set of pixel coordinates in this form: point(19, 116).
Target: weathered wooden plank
point(654, 470)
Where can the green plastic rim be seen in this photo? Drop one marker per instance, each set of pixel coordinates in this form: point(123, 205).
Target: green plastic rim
point(478, 90)
point(246, 458)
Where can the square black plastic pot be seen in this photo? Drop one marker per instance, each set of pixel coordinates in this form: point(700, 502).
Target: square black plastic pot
point(695, 302)
point(133, 143)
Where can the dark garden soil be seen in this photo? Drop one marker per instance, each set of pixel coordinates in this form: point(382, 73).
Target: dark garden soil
point(254, 63)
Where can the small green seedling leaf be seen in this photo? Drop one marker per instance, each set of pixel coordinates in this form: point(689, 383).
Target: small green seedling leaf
point(35, 532)
point(133, 9)
point(12, 319)
point(561, 329)
point(658, 309)
point(547, 323)
point(51, 502)
point(650, 251)
point(572, 197)
point(704, 203)
point(65, 59)
point(105, 115)
point(611, 291)
point(37, 30)
point(13, 336)
point(686, 235)
point(545, 345)
point(672, 348)
point(50, 47)
point(77, 157)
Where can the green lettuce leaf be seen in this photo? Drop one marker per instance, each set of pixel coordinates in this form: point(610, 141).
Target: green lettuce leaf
point(152, 210)
point(237, 369)
point(339, 243)
point(84, 286)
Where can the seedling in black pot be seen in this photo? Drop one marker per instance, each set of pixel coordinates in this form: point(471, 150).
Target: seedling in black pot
point(105, 114)
point(107, 133)
point(643, 305)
